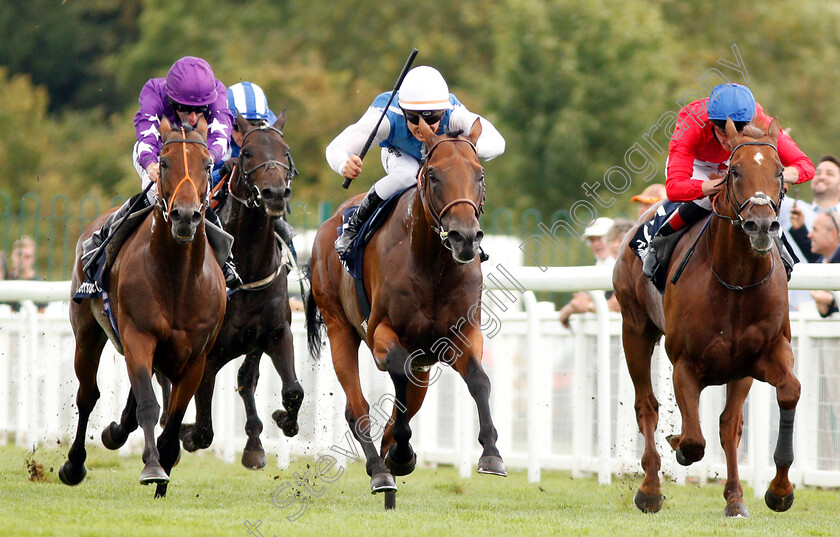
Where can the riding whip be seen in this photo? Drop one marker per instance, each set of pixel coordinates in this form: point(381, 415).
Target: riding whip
point(405, 69)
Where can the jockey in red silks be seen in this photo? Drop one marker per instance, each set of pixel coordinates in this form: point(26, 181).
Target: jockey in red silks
point(189, 92)
point(698, 159)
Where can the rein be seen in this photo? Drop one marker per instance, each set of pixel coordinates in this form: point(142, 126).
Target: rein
point(759, 198)
point(254, 198)
point(423, 183)
point(183, 140)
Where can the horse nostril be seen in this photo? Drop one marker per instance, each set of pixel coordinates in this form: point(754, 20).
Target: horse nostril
point(455, 236)
point(287, 193)
point(750, 227)
point(478, 236)
point(775, 227)
point(195, 218)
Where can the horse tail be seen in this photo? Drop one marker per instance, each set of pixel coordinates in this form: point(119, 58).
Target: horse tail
point(314, 321)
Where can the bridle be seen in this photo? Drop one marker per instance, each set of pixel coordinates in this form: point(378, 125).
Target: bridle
point(164, 205)
point(254, 198)
point(759, 198)
point(423, 182)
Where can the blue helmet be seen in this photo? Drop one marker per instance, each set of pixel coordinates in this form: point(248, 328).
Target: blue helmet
point(733, 101)
point(248, 99)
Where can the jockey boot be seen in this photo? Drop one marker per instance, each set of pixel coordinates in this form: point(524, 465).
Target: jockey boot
point(221, 243)
point(368, 206)
point(663, 243)
point(285, 232)
point(91, 245)
point(789, 257)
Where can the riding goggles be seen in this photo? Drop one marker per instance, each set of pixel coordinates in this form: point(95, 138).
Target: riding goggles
point(429, 116)
point(187, 109)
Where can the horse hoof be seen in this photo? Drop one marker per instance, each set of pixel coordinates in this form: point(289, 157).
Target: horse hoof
point(647, 503)
point(69, 476)
point(160, 490)
point(382, 482)
point(777, 503)
point(187, 436)
point(153, 473)
point(400, 468)
point(253, 459)
point(681, 458)
point(736, 510)
point(285, 423)
point(112, 440)
point(492, 465)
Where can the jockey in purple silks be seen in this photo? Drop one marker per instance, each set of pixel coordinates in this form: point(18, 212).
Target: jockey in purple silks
point(189, 91)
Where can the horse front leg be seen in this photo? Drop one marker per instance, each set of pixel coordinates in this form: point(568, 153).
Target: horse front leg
point(253, 456)
point(115, 435)
point(416, 388)
point(168, 444)
point(139, 352)
point(468, 365)
point(282, 353)
point(199, 435)
point(778, 371)
point(90, 340)
point(731, 427)
point(690, 446)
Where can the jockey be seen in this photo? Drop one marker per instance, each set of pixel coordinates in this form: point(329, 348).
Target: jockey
point(249, 101)
point(424, 95)
point(189, 91)
point(698, 159)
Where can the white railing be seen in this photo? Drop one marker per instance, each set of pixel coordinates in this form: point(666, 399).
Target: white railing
point(561, 399)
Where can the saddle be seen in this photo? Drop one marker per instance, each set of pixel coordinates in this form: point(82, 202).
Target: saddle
point(354, 261)
point(646, 233)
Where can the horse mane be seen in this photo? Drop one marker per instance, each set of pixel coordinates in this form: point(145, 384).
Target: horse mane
point(753, 131)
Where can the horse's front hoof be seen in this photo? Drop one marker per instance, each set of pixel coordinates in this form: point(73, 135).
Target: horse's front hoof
point(153, 473)
point(253, 459)
point(778, 503)
point(492, 465)
point(286, 424)
point(681, 458)
point(400, 468)
point(382, 482)
point(736, 510)
point(69, 474)
point(187, 436)
point(647, 503)
point(111, 438)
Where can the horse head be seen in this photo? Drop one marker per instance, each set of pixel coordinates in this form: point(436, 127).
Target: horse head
point(266, 166)
point(754, 184)
point(451, 184)
point(185, 166)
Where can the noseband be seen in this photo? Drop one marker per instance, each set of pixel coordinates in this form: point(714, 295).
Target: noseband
point(423, 182)
point(759, 198)
point(254, 198)
point(162, 201)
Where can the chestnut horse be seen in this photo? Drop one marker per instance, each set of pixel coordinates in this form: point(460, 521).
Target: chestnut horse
point(725, 322)
point(423, 279)
point(168, 298)
point(258, 317)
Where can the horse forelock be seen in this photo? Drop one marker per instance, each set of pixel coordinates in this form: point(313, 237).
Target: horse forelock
point(753, 131)
point(453, 132)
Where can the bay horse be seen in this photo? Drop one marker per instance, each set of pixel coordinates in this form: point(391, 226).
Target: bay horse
point(423, 280)
point(725, 322)
point(258, 317)
point(167, 294)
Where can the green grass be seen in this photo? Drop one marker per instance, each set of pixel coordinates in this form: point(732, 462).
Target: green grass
point(208, 497)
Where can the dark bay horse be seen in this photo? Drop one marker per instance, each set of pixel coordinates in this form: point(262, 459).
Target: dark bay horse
point(423, 279)
point(258, 316)
point(168, 296)
point(725, 322)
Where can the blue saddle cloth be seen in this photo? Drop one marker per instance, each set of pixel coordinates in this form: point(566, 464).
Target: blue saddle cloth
point(646, 232)
point(354, 260)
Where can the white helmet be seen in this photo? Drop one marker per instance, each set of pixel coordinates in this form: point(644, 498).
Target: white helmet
point(424, 89)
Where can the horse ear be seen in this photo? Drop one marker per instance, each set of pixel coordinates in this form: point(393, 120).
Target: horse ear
point(731, 131)
point(281, 120)
point(165, 127)
point(475, 131)
point(201, 126)
point(242, 124)
point(773, 131)
point(426, 132)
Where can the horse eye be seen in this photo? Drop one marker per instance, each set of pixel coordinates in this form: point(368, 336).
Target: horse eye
point(246, 154)
point(163, 164)
point(432, 177)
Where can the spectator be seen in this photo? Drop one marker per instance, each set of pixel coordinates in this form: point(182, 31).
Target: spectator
point(616, 234)
point(825, 242)
point(22, 265)
point(649, 196)
point(595, 236)
point(798, 217)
